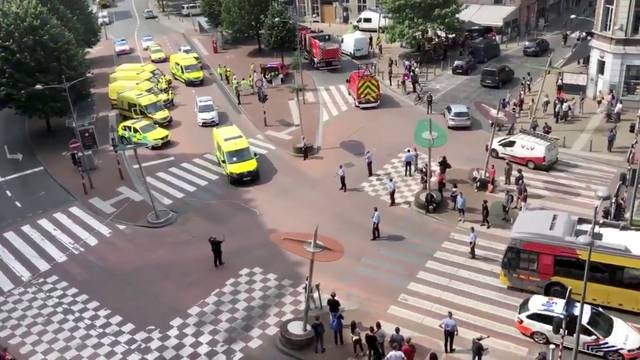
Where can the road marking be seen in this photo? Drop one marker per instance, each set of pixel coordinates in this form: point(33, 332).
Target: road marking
point(164, 187)
point(279, 135)
point(8, 193)
point(175, 181)
point(154, 162)
point(328, 102)
point(62, 237)
point(13, 176)
point(586, 134)
point(211, 157)
point(258, 150)
point(161, 198)
point(27, 251)
point(82, 234)
point(293, 109)
point(556, 179)
point(308, 95)
point(458, 285)
point(324, 114)
point(552, 187)
point(574, 170)
point(200, 46)
point(209, 165)
point(338, 98)
point(5, 283)
point(345, 92)
point(291, 129)
point(199, 171)
point(465, 249)
point(18, 203)
point(463, 273)
point(480, 242)
point(91, 221)
point(188, 176)
point(262, 143)
point(464, 260)
point(14, 264)
point(591, 154)
point(44, 243)
point(595, 166)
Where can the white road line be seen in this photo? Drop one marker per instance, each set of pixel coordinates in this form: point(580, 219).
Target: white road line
point(82, 234)
point(164, 200)
point(62, 237)
point(209, 165)
point(154, 162)
point(308, 95)
point(27, 251)
point(475, 290)
point(278, 135)
point(560, 168)
point(465, 250)
point(261, 143)
point(532, 184)
point(27, 172)
point(584, 164)
point(480, 242)
point(556, 195)
point(211, 157)
point(44, 243)
point(566, 181)
point(8, 193)
point(293, 109)
point(5, 283)
point(14, 264)
point(464, 273)
point(327, 101)
point(199, 171)
point(465, 260)
point(343, 90)
point(91, 220)
point(505, 234)
point(602, 156)
point(582, 140)
point(188, 176)
point(338, 98)
point(291, 129)
point(258, 150)
point(164, 187)
point(200, 46)
point(175, 181)
point(533, 204)
point(324, 114)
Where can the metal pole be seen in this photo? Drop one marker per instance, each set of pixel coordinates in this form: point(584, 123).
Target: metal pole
point(305, 321)
point(634, 195)
point(493, 134)
point(429, 158)
point(75, 129)
point(532, 114)
point(299, 61)
point(576, 336)
point(146, 186)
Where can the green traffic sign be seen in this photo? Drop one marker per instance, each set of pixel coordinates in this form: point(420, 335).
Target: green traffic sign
point(429, 139)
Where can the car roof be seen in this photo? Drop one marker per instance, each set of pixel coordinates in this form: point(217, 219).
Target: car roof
point(135, 122)
point(103, 13)
point(147, 37)
point(459, 107)
point(120, 40)
point(548, 304)
point(204, 99)
point(148, 10)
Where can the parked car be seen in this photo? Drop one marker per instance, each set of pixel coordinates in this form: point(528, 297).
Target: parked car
point(146, 41)
point(121, 46)
point(535, 47)
point(457, 116)
point(149, 14)
point(496, 75)
point(463, 65)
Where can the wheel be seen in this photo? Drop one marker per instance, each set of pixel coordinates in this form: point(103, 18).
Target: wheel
point(613, 356)
point(531, 165)
point(556, 290)
point(539, 338)
point(494, 153)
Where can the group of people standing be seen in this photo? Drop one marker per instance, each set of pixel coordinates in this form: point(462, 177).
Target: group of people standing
point(611, 104)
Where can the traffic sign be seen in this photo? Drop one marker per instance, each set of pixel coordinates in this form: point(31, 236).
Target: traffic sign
point(258, 83)
point(428, 134)
point(74, 145)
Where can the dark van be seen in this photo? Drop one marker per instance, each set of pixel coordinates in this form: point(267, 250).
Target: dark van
point(484, 50)
point(479, 32)
point(496, 75)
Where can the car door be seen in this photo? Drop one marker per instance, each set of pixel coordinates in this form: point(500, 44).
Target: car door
point(125, 132)
point(506, 147)
point(447, 113)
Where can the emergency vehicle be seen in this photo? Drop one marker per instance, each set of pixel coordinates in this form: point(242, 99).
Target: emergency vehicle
point(533, 149)
point(321, 49)
point(363, 86)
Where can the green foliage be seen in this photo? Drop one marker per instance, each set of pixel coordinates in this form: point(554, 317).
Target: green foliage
point(36, 49)
point(413, 19)
point(244, 17)
point(212, 10)
point(279, 29)
point(76, 18)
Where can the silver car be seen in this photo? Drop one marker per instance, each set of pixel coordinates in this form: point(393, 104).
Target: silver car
point(457, 116)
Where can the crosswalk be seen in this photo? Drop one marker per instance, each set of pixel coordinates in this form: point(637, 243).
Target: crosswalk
point(29, 249)
point(334, 99)
point(481, 305)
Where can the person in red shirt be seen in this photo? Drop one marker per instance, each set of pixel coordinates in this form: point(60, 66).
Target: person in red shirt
point(492, 174)
point(408, 349)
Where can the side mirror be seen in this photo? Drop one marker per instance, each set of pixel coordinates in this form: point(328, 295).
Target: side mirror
point(255, 155)
point(347, 81)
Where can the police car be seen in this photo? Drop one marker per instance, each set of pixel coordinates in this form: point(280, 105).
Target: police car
point(147, 41)
point(206, 111)
point(601, 334)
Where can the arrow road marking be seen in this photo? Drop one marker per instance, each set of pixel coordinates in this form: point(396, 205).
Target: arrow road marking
point(17, 156)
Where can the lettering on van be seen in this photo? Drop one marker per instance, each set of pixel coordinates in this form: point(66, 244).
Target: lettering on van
point(528, 147)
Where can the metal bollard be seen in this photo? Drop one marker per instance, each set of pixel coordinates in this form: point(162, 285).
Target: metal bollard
point(564, 141)
point(84, 185)
point(590, 145)
point(552, 352)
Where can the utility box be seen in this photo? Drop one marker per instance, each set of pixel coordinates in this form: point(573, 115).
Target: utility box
point(88, 160)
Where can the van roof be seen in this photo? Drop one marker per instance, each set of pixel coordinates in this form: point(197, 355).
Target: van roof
point(142, 96)
point(533, 138)
point(231, 137)
point(135, 66)
point(185, 59)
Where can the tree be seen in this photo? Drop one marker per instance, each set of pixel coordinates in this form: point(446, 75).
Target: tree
point(36, 49)
point(411, 19)
point(279, 30)
point(212, 10)
point(75, 16)
point(244, 17)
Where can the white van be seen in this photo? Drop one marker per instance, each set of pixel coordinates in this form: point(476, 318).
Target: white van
point(355, 44)
point(369, 20)
point(533, 149)
point(191, 9)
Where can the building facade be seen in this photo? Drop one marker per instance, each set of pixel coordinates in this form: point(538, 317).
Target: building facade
point(614, 62)
point(333, 11)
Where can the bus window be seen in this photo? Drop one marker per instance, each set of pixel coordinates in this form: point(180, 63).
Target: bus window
point(572, 268)
point(528, 261)
point(631, 279)
point(510, 259)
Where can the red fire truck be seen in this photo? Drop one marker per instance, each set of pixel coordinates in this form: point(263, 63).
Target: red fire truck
point(364, 86)
point(322, 50)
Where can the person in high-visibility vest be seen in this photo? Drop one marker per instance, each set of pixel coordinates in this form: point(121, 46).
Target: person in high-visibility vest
point(220, 71)
point(379, 44)
point(234, 83)
point(227, 74)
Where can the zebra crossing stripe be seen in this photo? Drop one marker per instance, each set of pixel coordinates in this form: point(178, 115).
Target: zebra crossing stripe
point(14, 264)
point(164, 200)
point(262, 144)
point(553, 187)
point(465, 249)
point(62, 237)
point(308, 95)
point(164, 187)
point(5, 283)
point(209, 165)
point(328, 101)
point(90, 220)
point(43, 243)
point(343, 90)
point(606, 168)
point(27, 251)
point(458, 285)
point(324, 114)
point(175, 181)
point(82, 234)
point(463, 273)
point(465, 260)
point(337, 96)
point(258, 150)
point(211, 157)
point(480, 242)
point(573, 182)
point(567, 169)
point(188, 176)
point(199, 171)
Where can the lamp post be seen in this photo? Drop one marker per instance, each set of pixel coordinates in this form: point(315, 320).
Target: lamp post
point(587, 240)
point(65, 85)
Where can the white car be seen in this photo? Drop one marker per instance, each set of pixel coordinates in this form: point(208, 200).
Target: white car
point(103, 18)
point(457, 116)
point(146, 41)
point(121, 46)
point(149, 14)
point(601, 334)
point(186, 49)
point(206, 111)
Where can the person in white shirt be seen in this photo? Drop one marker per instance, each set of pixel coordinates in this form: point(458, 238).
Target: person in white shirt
point(395, 353)
point(408, 162)
point(618, 111)
point(375, 220)
point(450, 330)
point(343, 179)
point(391, 189)
point(473, 238)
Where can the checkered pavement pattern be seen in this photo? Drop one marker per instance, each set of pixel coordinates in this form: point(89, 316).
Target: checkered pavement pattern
point(49, 319)
point(406, 186)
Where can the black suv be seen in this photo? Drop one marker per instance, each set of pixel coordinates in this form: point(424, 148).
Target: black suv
point(463, 65)
point(496, 75)
point(535, 47)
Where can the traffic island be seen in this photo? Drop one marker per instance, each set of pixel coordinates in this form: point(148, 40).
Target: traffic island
point(298, 150)
point(293, 336)
point(434, 201)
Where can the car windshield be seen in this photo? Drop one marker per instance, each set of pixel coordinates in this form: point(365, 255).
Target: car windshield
point(204, 108)
point(192, 68)
point(530, 44)
point(460, 114)
point(489, 72)
point(121, 42)
point(147, 38)
point(153, 108)
point(186, 50)
point(147, 128)
point(238, 156)
point(459, 62)
point(600, 322)
point(155, 50)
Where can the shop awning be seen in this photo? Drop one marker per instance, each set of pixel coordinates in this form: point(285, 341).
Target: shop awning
point(487, 15)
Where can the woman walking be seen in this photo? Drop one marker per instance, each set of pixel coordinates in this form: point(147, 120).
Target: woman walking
point(356, 338)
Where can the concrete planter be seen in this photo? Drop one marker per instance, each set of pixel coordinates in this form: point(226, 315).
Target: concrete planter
point(293, 337)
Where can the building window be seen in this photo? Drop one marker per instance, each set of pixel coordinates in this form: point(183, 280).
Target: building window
point(635, 20)
point(302, 9)
point(631, 80)
point(498, 2)
point(315, 8)
point(362, 5)
point(606, 19)
point(600, 67)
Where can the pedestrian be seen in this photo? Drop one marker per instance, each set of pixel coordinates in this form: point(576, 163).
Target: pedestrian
point(529, 82)
point(343, 179)
point(334, 305)
point(520, 188)
point(611, 138)
point(473, 238)
point(520, 104)
point(379, 44)
point(403, 83)
point(444, 165)
point(484, 210)
point(370, 42)
point(506, 205)
point(433, 355)
point(519, 177)
point(216, 249)
point(581, 103)
point(557, 108)
point(390, 73)
point(492, 174)
point(618, 111)
point(545, 103)
point(318, 334)
point(565, 37)
point(396, 339)
point(356, 339)
point(414, 80)
point(220, 71)
point(237, 91)
point(429, 103)
point(533, 126)
point(305, 149)
point(599, 99)
point(368, 158)
point(380, 336)
point(395, 354)
point(450, 331)
point(309, 289)
point(375, 220)
point(391, 189)
point(559, 86)
point(524, 198)
point(408, 349)
point(546, 129)
point(440, 181)
point(227, 75)
point(408, 162)
point(415, 159)
point(477, 349)
point(337, 326)
point(372, 345)
point(460, 205)
point(523, 85)
point(508, 170)
point(454, 196)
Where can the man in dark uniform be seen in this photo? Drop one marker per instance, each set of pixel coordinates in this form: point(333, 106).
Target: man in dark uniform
point(216, 249)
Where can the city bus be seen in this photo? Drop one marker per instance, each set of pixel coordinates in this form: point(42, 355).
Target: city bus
point(544, 257)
